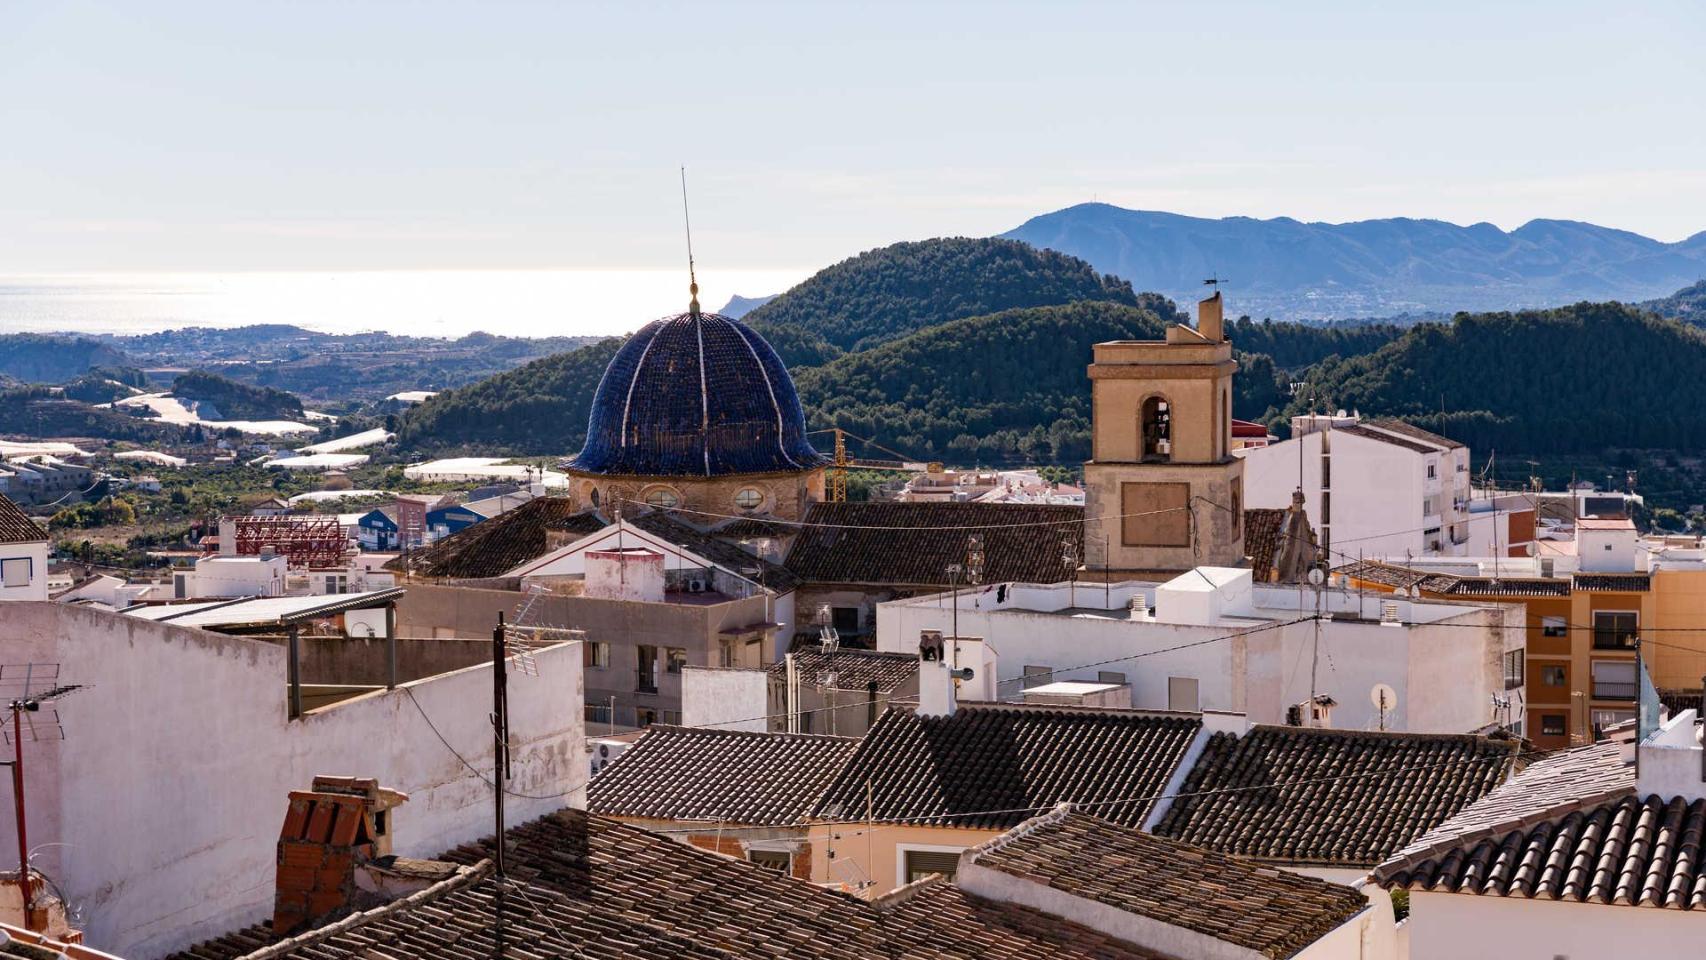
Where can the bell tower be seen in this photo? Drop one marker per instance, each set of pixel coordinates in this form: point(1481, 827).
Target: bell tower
point(1163, 492)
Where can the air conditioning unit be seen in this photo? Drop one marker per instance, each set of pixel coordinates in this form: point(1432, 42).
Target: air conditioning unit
point(605, 752)
point(1391, 614)
point(695, 586)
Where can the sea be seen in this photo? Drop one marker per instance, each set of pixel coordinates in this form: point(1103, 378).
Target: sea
point(422, 303)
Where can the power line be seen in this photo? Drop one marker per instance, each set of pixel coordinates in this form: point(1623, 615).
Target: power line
point(476, 771)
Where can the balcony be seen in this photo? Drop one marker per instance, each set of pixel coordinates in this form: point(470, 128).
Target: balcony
point(1614, 690)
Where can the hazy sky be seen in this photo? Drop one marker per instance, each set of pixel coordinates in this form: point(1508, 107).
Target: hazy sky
point(228, 135)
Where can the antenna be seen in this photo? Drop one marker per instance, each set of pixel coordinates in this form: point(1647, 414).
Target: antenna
point(687, 222)
point(25, 677)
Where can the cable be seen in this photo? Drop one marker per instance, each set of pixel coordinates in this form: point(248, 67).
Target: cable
point(476, 771)
point(1062, 522)
point(1149, 798)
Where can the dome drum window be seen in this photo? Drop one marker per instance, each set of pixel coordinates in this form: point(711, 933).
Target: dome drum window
point(663, 498)
point(749, 498)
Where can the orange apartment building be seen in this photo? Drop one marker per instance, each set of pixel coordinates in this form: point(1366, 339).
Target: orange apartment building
point(1584, 627)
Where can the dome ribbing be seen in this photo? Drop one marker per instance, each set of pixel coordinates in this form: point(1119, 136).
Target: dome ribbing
point(700, 395)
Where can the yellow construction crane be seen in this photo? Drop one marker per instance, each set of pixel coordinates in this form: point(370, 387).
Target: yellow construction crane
point(837, 486)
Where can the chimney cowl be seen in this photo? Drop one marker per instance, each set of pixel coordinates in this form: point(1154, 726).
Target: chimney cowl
point(330, 830)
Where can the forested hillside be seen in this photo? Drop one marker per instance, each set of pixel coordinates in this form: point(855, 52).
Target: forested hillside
point(39, 411)
point(539, 408)
point(236, 401)
point(896, 290)
point(1575, 379)
point(1687, 305)
point(41, 358)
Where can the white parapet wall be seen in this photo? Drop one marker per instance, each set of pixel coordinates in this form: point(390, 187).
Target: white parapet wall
point(158, 814)
point(728, 698)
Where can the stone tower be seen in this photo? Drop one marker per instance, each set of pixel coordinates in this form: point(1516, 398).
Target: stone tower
point(1163, 492)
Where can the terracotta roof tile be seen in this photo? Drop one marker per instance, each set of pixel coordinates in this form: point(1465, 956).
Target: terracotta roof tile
point(1335, 797)
point(1415, 433)
point(585, 886)
point(723, 776)
point(718, 551)
point(16, 526)
point(1614, 582)
point(1012, 759)
point(1262, 533)
point(853, 669)
point(916, 543)
point(1240, 901)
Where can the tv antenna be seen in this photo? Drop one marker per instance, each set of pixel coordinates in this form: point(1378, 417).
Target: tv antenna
point(1385, 699)
point(1214, 282)
point(29, 686)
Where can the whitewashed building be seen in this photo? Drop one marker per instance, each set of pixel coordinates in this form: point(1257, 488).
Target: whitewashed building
point(1210, 639)
point(23, 555)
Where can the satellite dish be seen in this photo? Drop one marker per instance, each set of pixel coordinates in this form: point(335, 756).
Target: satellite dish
point(1317, 576)
point(1532, 548)
point(1383, 697)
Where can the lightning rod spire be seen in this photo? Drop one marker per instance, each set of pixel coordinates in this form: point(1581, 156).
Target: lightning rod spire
point(687, 222)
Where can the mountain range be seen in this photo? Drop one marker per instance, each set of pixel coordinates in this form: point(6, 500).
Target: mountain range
point(1290, 269)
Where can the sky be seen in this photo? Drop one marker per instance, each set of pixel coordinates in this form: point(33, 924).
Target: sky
point(236, 136)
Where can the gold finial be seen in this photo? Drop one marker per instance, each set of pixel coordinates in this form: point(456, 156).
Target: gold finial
point(692, 281)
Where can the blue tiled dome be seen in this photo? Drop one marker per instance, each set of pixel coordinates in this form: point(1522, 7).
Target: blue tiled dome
point(695, 395)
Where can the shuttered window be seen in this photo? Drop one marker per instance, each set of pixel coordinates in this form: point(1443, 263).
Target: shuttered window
point(922, 863)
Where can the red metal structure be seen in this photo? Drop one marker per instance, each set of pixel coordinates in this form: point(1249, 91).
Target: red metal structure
point(302, 541)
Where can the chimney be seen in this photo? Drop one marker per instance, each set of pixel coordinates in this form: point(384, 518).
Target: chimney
point(938, 681)
point(331, 832)
point(1210, 323)
point(228, 536)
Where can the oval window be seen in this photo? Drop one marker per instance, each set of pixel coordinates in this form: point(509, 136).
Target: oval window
point(663, 497)
point(749, 498)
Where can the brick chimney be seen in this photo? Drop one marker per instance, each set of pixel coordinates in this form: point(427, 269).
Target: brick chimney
point(330, 831)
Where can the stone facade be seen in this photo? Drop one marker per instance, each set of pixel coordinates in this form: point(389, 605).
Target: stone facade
point(1163, 491)
point(703, 500)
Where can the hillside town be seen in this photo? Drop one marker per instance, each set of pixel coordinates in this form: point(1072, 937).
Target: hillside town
point(678, 694)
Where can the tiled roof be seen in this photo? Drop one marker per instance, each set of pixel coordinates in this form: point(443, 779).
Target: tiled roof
point(16, 526)
point(1391, 575)
point(914, 544)
point(1414, 432)
point(1239, 901)
point(588, 887)
point(1356, 430)
point(754, 528)
point(1615, 582)
point(492, 548)
point(1636, 852)
point(724, 554)
point(1338, 797)
point(853, 669)
point(993, 765)
point(723, 776)
point(1556, 785)
point(1262, 529)
point(1505, 587)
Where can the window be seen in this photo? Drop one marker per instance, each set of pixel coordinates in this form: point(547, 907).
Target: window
point(1155, 430)
point(674, 659)
point(598, 713)
point(725, 652)
point(1555, 676)
point(1182, 694)
point(647, 665)
point(1614, 679)
point(337, 583)
point(922, 863)
point(672, 717)
point(1614, 629)
point(1110, 676)
point(663, 497)
point(595, 653)
point(1433, 471)
point(1036, 676)
point(779, 860)
point(1326, 472)
point(1515, 673)
point(1326, 507)
point(1606, 718)
point(749, 498)
point(1155, 514)
point(16, 571)
point(1552, 724)
point(1554, 627)
point(844, 619)
point(645, 717)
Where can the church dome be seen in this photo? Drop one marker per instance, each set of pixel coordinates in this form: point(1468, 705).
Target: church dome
point(697, 395)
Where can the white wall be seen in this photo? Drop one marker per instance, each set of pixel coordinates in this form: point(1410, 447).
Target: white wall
point(1465, 926)
point(1445, 665)
point(1377, 490)
point(1670, 761)
point(36, 553)
point(714, 696)
point(238, 577)
point(158, 814)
